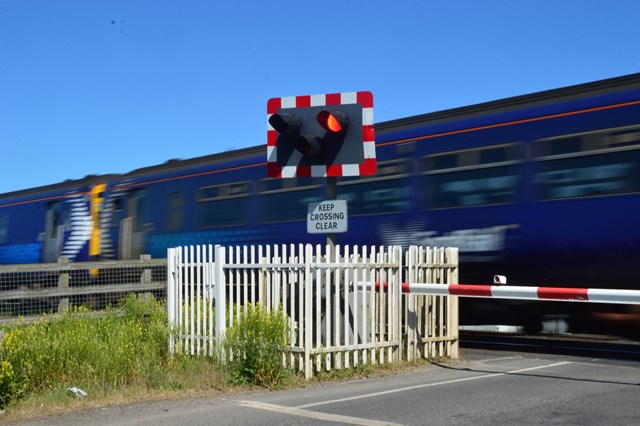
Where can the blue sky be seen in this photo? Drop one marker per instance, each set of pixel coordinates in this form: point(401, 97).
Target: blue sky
point(108, 86)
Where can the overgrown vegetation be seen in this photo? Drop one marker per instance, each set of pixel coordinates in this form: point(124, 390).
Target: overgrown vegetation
point(123, 354)
point(254, 346)
point(126, 347)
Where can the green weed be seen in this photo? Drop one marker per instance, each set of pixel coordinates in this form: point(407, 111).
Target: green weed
point(254, 346)
point(128, 344)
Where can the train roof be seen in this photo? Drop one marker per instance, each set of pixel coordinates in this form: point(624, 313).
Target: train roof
point(67, 185)
point(173, 165)
point(600, 87)
point(223, 157)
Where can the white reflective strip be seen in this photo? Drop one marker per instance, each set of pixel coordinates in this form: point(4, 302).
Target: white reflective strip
point(272, 154)
point(430, 289)
point(367, 116)
point(369, 149)
point(349, 97)
point(512, 292)
point(289, 171)
point(269, 127)
point(350, 170)
point(614, 296)
point(288, 102)
point(318, 100)
point(318, 171)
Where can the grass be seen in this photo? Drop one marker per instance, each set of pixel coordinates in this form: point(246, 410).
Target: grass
point(126, 346)
point(123, 356)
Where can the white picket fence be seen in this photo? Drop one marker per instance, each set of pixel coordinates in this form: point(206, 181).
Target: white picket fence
point(334, 323)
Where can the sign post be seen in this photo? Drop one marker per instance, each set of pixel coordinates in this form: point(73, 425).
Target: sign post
point(332, 193)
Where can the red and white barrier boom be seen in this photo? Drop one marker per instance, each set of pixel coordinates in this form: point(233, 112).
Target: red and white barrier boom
point(591, 295)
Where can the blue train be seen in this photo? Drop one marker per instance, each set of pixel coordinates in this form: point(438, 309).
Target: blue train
point(543, 188)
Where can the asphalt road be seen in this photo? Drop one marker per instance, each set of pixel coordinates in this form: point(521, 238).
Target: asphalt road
point(485, 387)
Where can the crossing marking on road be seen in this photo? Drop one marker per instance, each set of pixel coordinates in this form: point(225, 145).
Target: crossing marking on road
point(301, 410)
point(296, 411)
point(426, 385)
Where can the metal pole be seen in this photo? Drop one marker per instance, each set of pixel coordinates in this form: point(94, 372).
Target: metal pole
point(332, 193)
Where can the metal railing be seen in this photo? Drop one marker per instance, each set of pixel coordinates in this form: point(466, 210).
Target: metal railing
point(28, 291)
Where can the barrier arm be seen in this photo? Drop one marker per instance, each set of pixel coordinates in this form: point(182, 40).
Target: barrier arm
point(562, 294)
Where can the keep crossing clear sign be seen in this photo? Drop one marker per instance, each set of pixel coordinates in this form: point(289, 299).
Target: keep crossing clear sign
point(327, 217)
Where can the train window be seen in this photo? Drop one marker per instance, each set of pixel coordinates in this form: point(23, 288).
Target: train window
point(605, 163)
point(588, 176)
point(471, 158)
point(622, 138)
point(384, 169)
point(565, 146)
point(447, 161)
point(386, 192)
point(118, 213)
point(268, 185)
point(287, 199)
point(222, 205)
point(481, 176)
point(493, 155)
point(496, 185)
point(588, 143)
point(222, 191)
point(175, 210)
point(4, 226)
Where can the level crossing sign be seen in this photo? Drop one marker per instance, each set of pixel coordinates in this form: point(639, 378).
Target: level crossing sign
point(330, 135)
point(327, 217)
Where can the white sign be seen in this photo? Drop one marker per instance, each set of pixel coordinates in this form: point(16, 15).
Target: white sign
point(327, 217)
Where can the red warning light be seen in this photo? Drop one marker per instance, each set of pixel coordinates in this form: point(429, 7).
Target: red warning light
point(333, 124)
point(333, 121)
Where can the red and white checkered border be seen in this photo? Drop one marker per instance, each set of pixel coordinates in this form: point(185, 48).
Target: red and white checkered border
point(368, 167)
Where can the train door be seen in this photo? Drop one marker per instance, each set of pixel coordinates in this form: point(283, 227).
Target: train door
point(110, 224)
point(53, 232)
point(135, 225)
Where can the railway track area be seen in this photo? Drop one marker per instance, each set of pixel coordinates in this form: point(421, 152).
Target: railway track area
point(599, 348)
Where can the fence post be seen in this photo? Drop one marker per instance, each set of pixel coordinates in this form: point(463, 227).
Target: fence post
point(220, 294)
point(145, 277)
point(396, 316)
point(307, 324)
point(63, 283)
point(411, 314)
point(146, 274)
point(452, 257)
point(171, 299)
